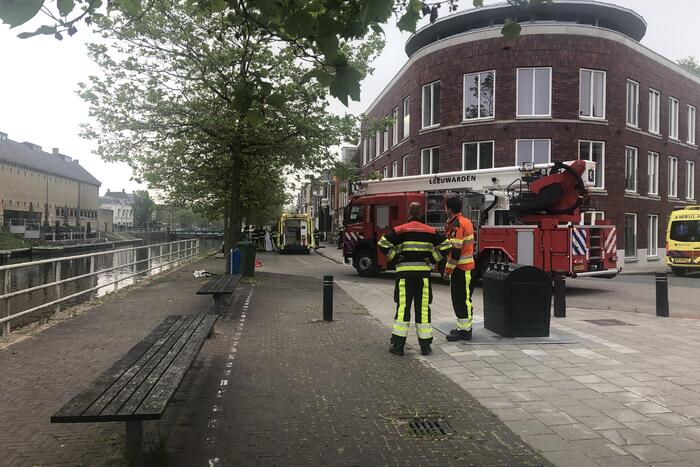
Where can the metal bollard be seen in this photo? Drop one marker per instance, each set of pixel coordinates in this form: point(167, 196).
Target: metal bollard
point(327, 298)
point(559, 295)
point(662, 294)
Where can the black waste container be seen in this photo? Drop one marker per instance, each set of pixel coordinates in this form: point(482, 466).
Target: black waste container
point(517, 300)
point(247, 258)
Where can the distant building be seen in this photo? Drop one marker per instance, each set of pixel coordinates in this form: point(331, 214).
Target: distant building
point(120, 202)
point(105, 220)
point(40, 187)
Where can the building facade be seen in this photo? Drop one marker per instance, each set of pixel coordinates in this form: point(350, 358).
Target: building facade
point(576, 84)
point(37, 187)
point(120, 203)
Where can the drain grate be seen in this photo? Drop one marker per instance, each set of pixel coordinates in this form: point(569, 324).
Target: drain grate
point(608, 322)
point(430, 427)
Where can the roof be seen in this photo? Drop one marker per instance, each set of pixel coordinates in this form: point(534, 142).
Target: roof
point(589, 12)
point(58, 165)
point(119, 195)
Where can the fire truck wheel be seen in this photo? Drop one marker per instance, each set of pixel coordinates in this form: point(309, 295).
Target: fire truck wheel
point(365, 263)
point(680, 272)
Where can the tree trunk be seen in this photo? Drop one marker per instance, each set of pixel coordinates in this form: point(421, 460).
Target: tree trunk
point(234, 206)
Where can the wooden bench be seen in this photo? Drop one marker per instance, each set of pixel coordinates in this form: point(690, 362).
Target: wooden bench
point(139, 386)
point(220, 287)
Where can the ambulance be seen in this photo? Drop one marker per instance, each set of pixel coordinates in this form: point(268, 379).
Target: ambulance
point(295, 234)
point(683, 240)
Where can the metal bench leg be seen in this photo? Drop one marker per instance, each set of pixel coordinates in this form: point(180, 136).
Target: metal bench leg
point(134, 439)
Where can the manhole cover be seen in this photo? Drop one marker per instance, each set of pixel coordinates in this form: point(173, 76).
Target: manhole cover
point(430, 427)
point(608, 322)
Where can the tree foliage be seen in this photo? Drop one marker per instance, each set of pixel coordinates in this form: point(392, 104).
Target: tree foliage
point(142, 207)
point(691, 64)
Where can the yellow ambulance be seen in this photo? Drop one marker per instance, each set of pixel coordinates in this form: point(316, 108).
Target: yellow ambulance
point(683, 240)
point(295, 234)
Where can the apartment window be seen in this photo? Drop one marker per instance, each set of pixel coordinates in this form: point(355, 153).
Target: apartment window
point(630, 235)
point(378, 143)
point(631, 169)
point(592, 94)
point(534, 92)
point(430, 161)
point(431, 104)
point(479, 95)
point(654, 111)
point(594, 151)
point(394, 169)
point(404, 166)
point(385, 172)
point(632, 103)
point(406, 119)
point(365, 156)
point(653, 172)
point(673, 106)
point(653, 235)
point(477, 155)
point(690, 180)
point(532, 150)
point(385, 136)
point(395, 127)
point(692, 124)
point(673, 177)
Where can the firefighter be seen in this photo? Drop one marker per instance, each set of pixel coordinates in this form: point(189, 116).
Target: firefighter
point(413, 247)
point(460, 234)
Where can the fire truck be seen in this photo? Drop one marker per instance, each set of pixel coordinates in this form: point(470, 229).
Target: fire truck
point(537, 215)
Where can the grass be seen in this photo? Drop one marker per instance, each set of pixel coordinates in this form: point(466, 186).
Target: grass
point(9, 241)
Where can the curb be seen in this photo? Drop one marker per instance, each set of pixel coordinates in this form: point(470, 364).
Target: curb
point(328, 257)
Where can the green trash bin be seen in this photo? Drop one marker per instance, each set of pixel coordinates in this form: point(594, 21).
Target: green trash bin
point(247, 258)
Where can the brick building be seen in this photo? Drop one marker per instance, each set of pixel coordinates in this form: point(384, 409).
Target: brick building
point(576, 84)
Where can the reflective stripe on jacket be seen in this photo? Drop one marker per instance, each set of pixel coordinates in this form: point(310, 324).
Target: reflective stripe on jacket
point(414, 247)
point(460, 234)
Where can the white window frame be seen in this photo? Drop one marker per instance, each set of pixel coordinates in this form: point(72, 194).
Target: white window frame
point(394, 169)
point(692, 124)
point(365, 156)
point(580, 97)
point(406, 118)
point(600, 170)
point(385, 137)
point(432, 123)
point(385, 172)
point(478, 97)
point(429, 152)
point(518, 112)
point(674, 107)
point(532, 143)
point(395, 127)
point(653, 172)
point(690, 180)
point(652, 236)
point(635, 152)
point(378, 144)
point(632, 123)
point(404, 166)
point(654, 111)
point(478, 153)
point(672, 177)
point(636, 236)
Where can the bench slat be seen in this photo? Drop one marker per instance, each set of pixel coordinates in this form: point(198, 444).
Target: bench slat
point(71, 411)
point(220, 284)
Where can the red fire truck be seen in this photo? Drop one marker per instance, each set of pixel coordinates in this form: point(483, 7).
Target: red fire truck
point(535, 215)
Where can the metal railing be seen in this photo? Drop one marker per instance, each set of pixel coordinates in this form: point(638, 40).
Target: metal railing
point(179, 252)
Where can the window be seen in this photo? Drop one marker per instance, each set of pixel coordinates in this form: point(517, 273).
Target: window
point(395, 127)
point(653, 172)
point(692, 124)
point(477, 155)
point(431, 104)
point(632, 103)
point(653, 235)
point(594, 151)
point(532, 150)
point(690, 180)
point(378, 144)
point(630, 235)
point(430, 161)
point(404, 166)
point(365, 156)
point(385, 135)
point(673, 118)
point(534, 92)
point(654, 111)
point(673, 177)
point(357, 212)
point(631, 169)
point(592, 94)
point(394, 169)
point(385, 172)
point(406, 119)
point(479, 95)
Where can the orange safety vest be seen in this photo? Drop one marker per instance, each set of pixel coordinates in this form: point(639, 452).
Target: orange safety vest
point(460, 233)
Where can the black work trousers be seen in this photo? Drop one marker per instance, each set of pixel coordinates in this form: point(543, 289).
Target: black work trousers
point(416, 291)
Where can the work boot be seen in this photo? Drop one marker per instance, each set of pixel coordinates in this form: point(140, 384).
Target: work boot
point(425, 349)
point(396, 346)
point(460, 335)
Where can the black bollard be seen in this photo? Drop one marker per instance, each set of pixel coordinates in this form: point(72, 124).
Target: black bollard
point(327, 298)
point(662, 294)
point(559, 295)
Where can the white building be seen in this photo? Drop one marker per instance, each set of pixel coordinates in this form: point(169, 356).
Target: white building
point(120, 202)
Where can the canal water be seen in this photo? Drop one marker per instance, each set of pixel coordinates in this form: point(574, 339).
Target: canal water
point(135, 264)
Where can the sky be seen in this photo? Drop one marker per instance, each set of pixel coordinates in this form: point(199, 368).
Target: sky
point(39, 77)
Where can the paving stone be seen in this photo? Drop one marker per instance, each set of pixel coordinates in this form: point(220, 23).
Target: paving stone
point(528, 427)
point(690, 411)
point(652, 453)
point(621, 461)
point(574, 432)
point(647, 407)
point(673, 420)
point(605, 387)
point(600, 422)
point(648, 428)
point(572, 458)
point(598, 448)
point(555, 418)
point(625, 437)
point(547, 443)
point(676, 443)
point(625, 415)
point(512, 414)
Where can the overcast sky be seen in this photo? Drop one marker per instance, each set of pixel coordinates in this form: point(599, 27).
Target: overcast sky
point(39, 76)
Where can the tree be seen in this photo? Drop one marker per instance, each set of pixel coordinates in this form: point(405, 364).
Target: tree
point(691, 64)
point(142, 206)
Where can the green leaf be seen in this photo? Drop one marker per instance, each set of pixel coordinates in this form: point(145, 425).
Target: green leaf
point(130, 7)
point(376, 10)
point(255, 117)
point(16, 12)
point(478, 3)
point(323, 77)
point(511, 30)
point(42, 30)
point(276, 100)
point(409, 20)
point(346, 83)
point(65, 6)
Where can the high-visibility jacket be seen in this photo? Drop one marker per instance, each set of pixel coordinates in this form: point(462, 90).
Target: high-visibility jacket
point(460, 233)
point(414, 247)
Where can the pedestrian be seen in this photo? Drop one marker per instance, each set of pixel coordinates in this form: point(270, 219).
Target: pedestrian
point(460, 262)
point(268, 241)
point(414, 248)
